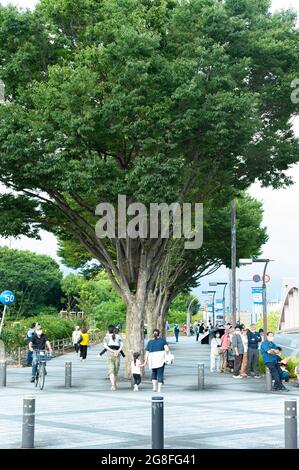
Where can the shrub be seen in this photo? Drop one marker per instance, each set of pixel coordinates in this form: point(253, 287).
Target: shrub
point(291, 365)
point(14, 333)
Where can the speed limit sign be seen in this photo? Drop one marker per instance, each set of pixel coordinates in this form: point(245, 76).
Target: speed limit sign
point(7, 297)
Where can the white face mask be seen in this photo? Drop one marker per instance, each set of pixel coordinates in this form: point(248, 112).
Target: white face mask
point(270, 338)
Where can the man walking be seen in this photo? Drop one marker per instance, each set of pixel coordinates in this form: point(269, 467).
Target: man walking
point(254, 339)
point(238, 349)
point(176, 330)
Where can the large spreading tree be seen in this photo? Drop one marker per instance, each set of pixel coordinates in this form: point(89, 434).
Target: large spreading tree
point(34, 279)
point(159, 100)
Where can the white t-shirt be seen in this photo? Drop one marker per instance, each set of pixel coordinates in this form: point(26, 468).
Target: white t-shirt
point(112, 342)
point(214, 346)
point(135, 368)
point(245, 342)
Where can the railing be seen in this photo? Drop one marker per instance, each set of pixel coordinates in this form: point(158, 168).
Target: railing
point(18, 358)
point(71, 315)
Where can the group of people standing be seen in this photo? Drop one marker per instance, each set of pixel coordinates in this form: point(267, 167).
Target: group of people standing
point(237, 349)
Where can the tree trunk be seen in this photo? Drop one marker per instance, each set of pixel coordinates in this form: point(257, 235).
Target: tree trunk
point(156, 309)
point(134, 334)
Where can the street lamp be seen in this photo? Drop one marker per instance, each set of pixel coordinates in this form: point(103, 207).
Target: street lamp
point(213, 309)
point(245, 261)
point(223, 294)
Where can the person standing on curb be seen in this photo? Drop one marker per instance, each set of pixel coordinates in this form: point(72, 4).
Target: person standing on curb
point(225, 345)
point(244, 360)
point(176, 331)
point(155, 358)
point(76, 338)
point(254, 340)
point(84, 344)
point(215, 356)
point(238, 349)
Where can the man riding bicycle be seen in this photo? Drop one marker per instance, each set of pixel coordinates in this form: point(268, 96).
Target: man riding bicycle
point(39, 342)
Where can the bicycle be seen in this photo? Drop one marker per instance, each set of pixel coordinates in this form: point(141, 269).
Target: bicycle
point(41, 357)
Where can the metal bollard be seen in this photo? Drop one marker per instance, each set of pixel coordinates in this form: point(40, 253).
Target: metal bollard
point(157, 423)
point(290, 424)
point(68, 375)
point(2, 373)
point(201, 376)
point(28, 423)
point(268, 380)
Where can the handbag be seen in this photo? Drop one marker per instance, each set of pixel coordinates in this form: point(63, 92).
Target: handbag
point(169, 359)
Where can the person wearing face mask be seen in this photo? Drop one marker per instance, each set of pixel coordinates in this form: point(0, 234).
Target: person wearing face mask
point(270, 352)
point(39, 342)
point(238, 348)
point(254, 340)
point(215, 356)
point(244, 360)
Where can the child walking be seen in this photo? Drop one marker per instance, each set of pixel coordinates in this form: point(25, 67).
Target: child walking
point(136, 370)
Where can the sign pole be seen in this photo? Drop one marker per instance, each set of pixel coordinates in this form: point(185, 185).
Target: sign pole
point(2, 319)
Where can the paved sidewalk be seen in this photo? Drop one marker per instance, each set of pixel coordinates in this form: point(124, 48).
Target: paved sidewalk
point(229, 413)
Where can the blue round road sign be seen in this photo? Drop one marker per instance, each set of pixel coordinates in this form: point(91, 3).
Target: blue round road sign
point(7, 297)
point(256, 278)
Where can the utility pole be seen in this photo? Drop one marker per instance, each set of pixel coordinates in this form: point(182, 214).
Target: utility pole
point(233, 261)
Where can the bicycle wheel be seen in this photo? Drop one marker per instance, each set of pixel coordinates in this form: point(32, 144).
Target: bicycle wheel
point(41, 377)
point(37, 375)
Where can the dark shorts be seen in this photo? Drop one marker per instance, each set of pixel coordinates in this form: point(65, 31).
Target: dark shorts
point(158, 374)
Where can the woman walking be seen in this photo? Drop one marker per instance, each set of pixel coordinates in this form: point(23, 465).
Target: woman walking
point(84, 344)
point(114, 345)
point(156, 350)
point(76, 338)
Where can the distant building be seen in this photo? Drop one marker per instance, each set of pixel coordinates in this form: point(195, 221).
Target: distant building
point(245, 317)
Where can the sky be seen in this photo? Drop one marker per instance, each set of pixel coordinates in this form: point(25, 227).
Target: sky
point(281, 217)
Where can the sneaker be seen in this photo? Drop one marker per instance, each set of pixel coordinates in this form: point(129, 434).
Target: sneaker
point(32, 379)
point(136, 389)
point(113, 388)
point(237, 376)
point(285, 389)
point(81, 358)
point(257, 376)
point(244, 375)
